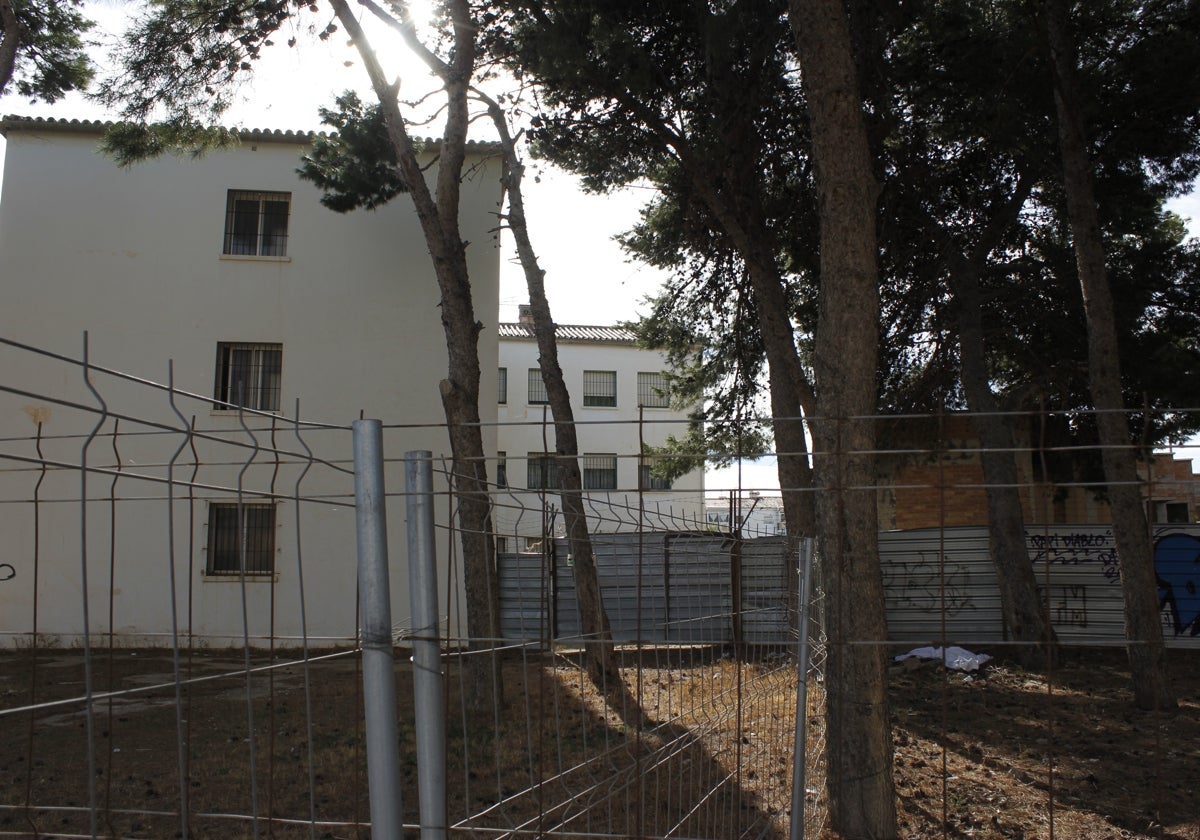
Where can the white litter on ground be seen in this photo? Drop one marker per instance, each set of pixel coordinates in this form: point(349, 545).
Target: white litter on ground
point(956, 658)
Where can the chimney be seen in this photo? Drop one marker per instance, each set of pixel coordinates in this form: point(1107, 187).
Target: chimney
point(525, 315)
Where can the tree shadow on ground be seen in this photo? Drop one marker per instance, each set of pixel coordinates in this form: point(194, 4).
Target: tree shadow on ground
point(714, 760)
point(1007, 750)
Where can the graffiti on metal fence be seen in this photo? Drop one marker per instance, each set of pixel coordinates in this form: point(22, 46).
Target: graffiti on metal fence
point(1070, 606)
point(1077, 549)
point(1177, 564)
point(928, 586)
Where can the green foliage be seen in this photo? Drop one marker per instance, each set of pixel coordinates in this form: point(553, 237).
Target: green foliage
point(186, 59)
point(687, 96)
point(356, 167)
point(962, 122)
point(50, 53)
point(707, 444)
point(128, 143)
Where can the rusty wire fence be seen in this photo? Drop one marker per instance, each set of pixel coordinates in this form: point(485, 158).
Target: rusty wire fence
point(182, 655)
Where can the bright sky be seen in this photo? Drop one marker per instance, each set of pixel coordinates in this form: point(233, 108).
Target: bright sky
point(589, 279)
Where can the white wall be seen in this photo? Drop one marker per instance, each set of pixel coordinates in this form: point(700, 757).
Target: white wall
point(134, 258)
point(603, 430)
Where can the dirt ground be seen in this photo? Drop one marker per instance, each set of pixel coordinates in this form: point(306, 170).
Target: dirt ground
point(1006, 753)
point(1001, 753)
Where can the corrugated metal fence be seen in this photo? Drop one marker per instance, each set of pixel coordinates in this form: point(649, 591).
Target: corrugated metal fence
point(939, 585)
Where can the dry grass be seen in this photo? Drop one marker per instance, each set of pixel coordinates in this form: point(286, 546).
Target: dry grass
point(551, 758)
point(1002, 754)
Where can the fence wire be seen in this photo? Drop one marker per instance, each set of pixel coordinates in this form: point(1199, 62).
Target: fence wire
point(153, 683)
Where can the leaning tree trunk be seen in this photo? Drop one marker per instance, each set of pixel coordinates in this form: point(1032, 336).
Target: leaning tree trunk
point(601, 663)
point(1024, 616)
point(859, 775)
point(1143, 627)
point(460, 389)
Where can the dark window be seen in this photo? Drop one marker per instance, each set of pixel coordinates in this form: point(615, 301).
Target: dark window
point(256, 223)
point(231, 525)
point(501, 469)
point(248, 375)
point(542, 472)
point(600, 387)
point(503, 386)
point(599, 472)
point(537, 388)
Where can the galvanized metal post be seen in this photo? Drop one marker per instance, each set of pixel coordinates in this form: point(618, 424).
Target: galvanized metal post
point(375, 625)
point(799, 752)
point(429, 707)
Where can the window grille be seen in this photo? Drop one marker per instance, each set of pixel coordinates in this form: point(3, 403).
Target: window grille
point(226, 531)
point(599, 472)
point(537, 388)
point(502, 382)
point(256, 223)
point(600, 387)
point(248, 375)
point(652, 390)
point(542, 472)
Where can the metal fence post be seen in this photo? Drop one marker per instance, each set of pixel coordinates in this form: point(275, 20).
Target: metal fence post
point(800, 752)
point(429, 708)
point(375, 624)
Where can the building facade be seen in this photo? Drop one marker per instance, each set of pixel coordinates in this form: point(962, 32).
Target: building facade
point(225, 275)
point(621, 410)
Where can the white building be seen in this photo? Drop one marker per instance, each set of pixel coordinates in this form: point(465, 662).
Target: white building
point(751, 514)
point(620, 409)
point(227, 265)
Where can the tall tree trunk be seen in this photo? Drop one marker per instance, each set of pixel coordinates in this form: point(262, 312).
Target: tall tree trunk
point(597, 632)
point(1023, 614)
point(861, 789)
point(1143, 627)
point(460, 389)
point(10, 40)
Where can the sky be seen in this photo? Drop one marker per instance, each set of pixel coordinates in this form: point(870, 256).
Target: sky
point(589, 279)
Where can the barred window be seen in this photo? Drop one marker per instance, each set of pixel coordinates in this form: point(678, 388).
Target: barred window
point(229, 525)
point(648, 481)
point(652, 390)
point(599, 472)
point(600, 387)
point(248, 375)
point(542, 471)
point(503, 386)
point(537, 388)
point(256, 223)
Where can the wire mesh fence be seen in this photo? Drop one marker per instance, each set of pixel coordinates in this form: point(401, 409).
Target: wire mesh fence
point(182, 654)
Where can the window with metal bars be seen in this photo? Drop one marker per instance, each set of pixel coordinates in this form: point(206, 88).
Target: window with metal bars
point(648, 481)
point(541, 471)
point(537, 388)
point(599, 472)
point(600, 387)
point(234, 529)
point(652, 390)
point(256, 223)
point(502, 383)
point(248, 375)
